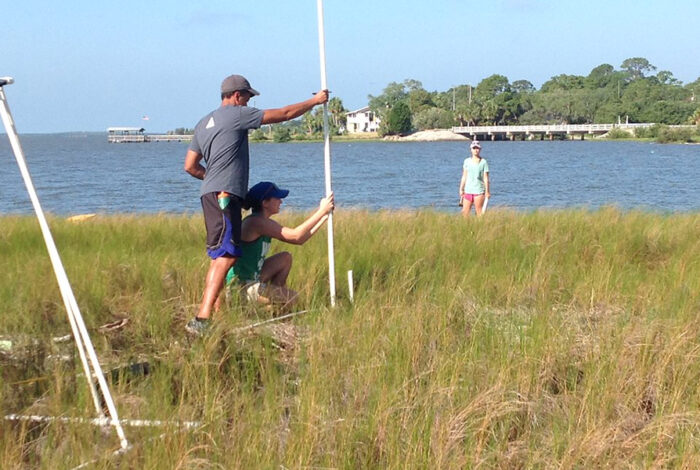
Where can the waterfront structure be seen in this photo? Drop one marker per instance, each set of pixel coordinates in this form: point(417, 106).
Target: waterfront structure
point(124, 135)
point(362, 120)
point(540, 132)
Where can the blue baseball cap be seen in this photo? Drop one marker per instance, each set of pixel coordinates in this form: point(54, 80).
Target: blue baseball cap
point(265, 190)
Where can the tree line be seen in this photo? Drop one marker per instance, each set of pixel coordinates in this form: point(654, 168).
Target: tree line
point(634, 93)
point(308, 126)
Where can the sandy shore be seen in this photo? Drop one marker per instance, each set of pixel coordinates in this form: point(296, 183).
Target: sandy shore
point(433, 135)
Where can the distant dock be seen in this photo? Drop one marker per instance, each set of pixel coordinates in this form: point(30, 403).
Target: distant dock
point(137, 135)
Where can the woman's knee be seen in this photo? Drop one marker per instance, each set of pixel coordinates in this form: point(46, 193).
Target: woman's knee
point(286, 258)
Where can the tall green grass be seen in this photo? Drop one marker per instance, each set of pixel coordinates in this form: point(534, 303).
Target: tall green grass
point(551, 339)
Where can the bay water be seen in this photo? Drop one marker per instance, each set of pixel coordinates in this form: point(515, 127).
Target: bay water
point(80, 173)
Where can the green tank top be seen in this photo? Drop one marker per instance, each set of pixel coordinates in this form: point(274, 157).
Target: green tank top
point(248, 266)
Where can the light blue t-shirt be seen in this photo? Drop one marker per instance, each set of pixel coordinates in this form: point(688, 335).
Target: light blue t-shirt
point(221, 137)
point(475, 175)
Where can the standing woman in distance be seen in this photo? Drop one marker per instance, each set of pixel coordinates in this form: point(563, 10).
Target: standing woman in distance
point(474, 186)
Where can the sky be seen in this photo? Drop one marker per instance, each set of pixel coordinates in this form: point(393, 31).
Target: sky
point(88, 65)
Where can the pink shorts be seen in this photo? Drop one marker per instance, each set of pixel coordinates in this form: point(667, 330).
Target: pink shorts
point(468, 197)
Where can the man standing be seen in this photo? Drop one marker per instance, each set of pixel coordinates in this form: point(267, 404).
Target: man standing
point(221, 139)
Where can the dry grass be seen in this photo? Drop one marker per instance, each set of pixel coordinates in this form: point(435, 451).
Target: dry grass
point(563, 339)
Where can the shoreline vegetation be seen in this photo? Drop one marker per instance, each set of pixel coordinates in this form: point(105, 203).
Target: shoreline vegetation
point(658, 133)
point(635, 92)
point(547, 339)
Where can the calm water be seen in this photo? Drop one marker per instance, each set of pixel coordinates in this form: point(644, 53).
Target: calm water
point(82, 173)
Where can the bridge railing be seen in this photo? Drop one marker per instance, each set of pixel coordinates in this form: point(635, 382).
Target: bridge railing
point(553, 128)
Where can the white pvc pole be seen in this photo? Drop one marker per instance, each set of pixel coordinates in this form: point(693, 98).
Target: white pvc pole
point(351, 287)
point(326, 150)
point(82, 337)
point(272, 320)
point(14, 141)
point(486, 203)
point(137, 423)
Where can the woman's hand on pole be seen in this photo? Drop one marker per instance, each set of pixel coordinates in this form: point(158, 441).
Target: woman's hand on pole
point(327, 204)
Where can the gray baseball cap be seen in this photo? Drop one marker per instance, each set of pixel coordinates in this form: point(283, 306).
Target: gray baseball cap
point(237, 83)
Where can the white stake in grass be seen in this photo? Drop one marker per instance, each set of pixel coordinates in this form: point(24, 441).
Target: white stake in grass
point(486, 203)
point(82, 338)
point(351, 287)
point(326, 151)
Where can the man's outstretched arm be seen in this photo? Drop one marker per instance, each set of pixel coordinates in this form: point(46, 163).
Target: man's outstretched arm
point(271, 116)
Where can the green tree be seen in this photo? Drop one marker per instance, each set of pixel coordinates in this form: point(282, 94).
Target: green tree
point(636, 67)
point(490, 87)
point(590, 103)
point(393, 93)
point(693, 89)
point(313, 121)
point(336, 112)
point(666, 78)
point(602, 96)
point(281, 134)
point(398, 120)
point(468, 114)
point(695, 118)
point(563, 82)
point(499, 103)
point(648, 100)
point(600, 77)
point(459, 100)
point(433, 118)
point(419, 99)
point(258, 135)
point(523, 87)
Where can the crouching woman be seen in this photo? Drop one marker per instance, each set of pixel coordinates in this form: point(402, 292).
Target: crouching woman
point(263, 279)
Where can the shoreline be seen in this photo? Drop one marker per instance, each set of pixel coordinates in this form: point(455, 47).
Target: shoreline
point(79, 218)
point(445, 135)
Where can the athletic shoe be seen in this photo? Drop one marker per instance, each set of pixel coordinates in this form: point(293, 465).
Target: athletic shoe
point(197, 327)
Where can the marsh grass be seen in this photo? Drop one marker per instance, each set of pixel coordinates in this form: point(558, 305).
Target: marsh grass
point(551, 339)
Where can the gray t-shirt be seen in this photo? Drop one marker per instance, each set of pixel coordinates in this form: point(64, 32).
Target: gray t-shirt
point(221, 137)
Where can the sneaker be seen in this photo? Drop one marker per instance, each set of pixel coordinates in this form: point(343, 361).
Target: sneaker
point(197, 327)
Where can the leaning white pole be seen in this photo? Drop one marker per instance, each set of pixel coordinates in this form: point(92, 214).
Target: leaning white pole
point(14, 141)
point(326, 150)
point(82, 338)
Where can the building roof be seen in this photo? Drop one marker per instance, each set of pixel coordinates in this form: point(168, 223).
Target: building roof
point(125, 129)
point(361, 110)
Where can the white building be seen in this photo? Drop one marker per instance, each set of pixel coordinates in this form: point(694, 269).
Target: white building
point(362, 120)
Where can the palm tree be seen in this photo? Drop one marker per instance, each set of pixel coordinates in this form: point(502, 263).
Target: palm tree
point(337, 112)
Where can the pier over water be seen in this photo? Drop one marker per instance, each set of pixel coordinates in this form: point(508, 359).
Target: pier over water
point(129, 135)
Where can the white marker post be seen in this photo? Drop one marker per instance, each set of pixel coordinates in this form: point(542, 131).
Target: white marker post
point(82, 338)
point(486, 203)
point(351, 287)
point(327, 151)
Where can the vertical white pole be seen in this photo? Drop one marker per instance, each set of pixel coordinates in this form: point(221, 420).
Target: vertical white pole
point(80, 333)
point(351, 287)
point(326, 150)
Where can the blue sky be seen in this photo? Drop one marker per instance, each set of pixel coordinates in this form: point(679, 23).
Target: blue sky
point(87, 65)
